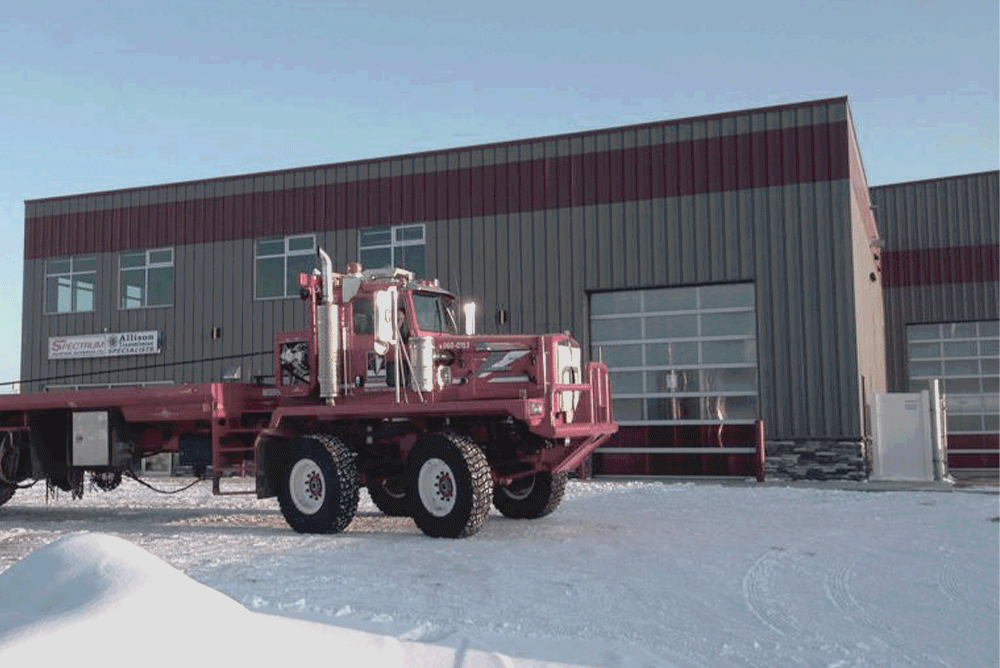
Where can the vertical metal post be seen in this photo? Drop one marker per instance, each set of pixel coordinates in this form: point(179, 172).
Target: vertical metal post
point(939, 443)
point(761, 454)
point(396, 371)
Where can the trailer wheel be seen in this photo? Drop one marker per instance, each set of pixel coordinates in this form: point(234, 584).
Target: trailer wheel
point(390, 497)
point(448, 479)
point(530, 497)
point(320, 490)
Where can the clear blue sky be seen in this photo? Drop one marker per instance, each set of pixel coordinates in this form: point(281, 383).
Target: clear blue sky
point(113, 94)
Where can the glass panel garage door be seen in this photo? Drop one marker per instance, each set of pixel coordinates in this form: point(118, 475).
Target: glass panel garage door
point(679, 356)
point(965, 355)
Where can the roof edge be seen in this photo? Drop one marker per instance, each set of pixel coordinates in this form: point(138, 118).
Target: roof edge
point(937, 178)
point(472, 147)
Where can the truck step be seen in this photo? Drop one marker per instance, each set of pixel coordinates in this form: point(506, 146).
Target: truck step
point(217, 485)
point(236, 448)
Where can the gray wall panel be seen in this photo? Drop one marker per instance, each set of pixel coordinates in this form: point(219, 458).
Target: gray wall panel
point(539, 266)
point(561, 284)
point(946, 212)
point(505, 268)
point(616, 261)
point(941, 213)
point(793, 241)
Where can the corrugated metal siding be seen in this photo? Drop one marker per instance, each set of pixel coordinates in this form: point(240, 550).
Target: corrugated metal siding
point(530, 227)
point(794, 241)
point(681, 158)
point(774, 244)
point(941, 239)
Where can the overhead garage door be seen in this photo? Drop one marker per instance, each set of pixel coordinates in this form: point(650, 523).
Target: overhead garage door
point(683, 365)
point(964, 355)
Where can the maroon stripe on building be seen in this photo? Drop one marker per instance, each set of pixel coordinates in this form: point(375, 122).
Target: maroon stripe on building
point(790, 156)
point(939, 266)
point(959, 442)
point(959, 456)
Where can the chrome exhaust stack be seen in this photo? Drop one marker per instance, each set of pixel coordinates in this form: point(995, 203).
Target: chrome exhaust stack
point(327, 333)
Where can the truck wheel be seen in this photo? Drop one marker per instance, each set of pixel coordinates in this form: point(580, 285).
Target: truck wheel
point(530, 497)
point(320, 490)
point(448, 479)
point(8, 469)
point(106, 480)
point(389, 496)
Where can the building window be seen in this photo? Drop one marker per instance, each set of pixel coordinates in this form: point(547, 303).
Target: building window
point(679, 356)
point(69, 284)
point(146, 278)
point(398, 246)
point(279, 261)
point(964, 355)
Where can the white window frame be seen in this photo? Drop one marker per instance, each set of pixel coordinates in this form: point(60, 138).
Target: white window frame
point(289, 291)
point(148, 264)
point(72, 275)
point(396, 232)
point(646, 366)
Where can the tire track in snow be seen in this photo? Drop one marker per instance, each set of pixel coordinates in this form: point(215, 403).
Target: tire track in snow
point(757, 588)
point(840, 592)
point(953, 581)
point(948, 581)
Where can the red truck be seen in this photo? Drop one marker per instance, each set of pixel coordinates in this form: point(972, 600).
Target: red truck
point(383, 390)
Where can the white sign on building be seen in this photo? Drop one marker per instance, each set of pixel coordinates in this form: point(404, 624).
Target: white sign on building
point(104, 345)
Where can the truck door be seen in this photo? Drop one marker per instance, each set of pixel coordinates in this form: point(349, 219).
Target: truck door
point(366, 368)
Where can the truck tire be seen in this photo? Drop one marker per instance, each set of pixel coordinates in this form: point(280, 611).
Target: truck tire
point(319, 493)
point(106, 480)
point(448, 479)
point(530, 497)
point(390, 497)
point(9, 451)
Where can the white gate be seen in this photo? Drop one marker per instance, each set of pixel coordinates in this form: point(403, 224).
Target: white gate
point(909, 439)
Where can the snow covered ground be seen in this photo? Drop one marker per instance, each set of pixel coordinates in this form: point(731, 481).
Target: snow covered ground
point(622, 574)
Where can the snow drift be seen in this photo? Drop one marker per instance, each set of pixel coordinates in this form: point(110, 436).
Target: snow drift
point(94, 595)
point(623, 575)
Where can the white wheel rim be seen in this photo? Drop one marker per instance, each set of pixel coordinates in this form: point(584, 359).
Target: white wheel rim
point(520, 490)
point(306, 486)
point(393, 489)
point(436, 486)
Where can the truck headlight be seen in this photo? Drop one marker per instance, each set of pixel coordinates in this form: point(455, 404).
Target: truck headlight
point(443, 376)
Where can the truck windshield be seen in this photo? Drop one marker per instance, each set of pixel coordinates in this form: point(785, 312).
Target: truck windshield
point(435, 313)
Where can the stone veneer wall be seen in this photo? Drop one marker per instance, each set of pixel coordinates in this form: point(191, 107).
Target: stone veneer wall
point(817, 460)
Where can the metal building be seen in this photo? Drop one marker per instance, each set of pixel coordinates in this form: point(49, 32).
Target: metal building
point(728, 268)
point(941, 273)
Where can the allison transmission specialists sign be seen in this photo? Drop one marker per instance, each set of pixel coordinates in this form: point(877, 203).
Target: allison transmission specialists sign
point(104, 345)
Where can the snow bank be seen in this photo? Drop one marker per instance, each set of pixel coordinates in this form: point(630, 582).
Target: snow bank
point(93, 595)
point(622, 575)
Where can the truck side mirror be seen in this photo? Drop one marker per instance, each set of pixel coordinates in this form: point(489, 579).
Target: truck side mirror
point(385, 314)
